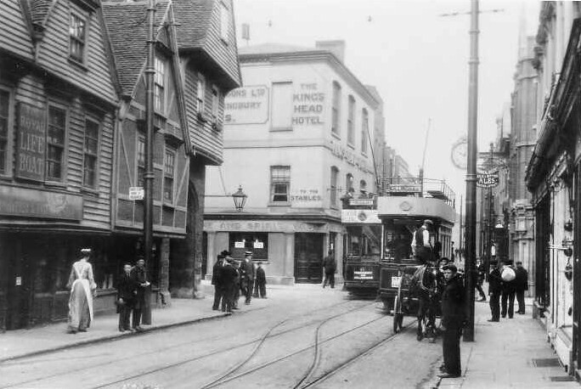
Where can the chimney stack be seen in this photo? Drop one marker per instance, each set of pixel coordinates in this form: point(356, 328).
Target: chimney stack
point(336, 47)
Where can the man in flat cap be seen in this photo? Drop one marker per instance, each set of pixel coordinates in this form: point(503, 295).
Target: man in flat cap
point(421, 245)
point(452, 322)
point(217, 280)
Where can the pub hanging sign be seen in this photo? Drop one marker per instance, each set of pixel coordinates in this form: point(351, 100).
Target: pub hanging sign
point(489, 180)
point(31, 142)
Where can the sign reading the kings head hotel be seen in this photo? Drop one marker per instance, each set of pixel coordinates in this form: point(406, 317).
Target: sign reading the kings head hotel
point(31, 142)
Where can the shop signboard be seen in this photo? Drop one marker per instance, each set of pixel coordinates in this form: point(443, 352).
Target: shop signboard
point(488, 180)
point(40, 204)
point(31, 143)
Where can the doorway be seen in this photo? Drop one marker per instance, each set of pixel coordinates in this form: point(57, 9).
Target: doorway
point(308, 258)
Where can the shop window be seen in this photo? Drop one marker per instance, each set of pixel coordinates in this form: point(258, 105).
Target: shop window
point(140, 161)
point(56, 143)
point(351, 122)
point(282, 105)
point(4, 125)
point(159, 89)
point(77, 35)
point(257, 242)
point(168, 175)
point(91, 149)
point(364, 130)
point(336, 108)
point(279, 183)
point(215, 104)
point(349, 183)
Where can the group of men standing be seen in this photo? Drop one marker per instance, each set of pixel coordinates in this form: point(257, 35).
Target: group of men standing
point(132, 296)
point(231, 277)
point(504, 284)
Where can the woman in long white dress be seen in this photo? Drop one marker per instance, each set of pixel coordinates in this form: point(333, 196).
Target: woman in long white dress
point(82, 285)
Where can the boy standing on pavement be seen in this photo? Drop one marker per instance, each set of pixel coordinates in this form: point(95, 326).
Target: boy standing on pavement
point(126, 291)
point(494, 289)
point(452, 322)
point(521, 284)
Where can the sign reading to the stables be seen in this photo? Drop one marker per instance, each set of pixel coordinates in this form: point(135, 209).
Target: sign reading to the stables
point(39, 203)
point(247, 105)
point(31, 144)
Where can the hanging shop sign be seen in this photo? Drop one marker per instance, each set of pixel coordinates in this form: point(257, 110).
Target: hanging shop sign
point(488, 180)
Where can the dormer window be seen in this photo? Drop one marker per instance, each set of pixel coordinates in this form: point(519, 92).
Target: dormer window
point(77, 37)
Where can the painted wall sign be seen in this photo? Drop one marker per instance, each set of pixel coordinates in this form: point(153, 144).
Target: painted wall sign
point(308, 105)
point(348, 156)
point(41, 204)
point(31, 142)
point(247, 105)
point(306, 196)
point(360, 216)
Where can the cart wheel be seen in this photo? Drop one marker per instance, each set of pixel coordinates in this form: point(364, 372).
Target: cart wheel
point(397, 315)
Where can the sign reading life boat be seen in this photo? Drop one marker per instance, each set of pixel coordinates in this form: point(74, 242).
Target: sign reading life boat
point(489, 180)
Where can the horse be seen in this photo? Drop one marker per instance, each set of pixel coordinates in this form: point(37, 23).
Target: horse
point(425, 285)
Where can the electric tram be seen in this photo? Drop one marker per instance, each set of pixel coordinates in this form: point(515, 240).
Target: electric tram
point(400, 216)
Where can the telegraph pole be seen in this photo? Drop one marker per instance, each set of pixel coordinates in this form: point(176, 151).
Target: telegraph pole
point(471, 172)
point(148, 174)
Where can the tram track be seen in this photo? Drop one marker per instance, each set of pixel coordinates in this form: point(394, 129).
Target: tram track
point(182, 345)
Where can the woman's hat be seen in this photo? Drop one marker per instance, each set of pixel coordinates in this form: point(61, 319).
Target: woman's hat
point(86, 251)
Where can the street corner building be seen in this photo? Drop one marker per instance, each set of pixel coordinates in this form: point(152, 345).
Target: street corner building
point(302, 135)
point(72, 144)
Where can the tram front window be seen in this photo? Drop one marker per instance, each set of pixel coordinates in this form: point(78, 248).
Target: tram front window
point(398, 241)
point(363, 242)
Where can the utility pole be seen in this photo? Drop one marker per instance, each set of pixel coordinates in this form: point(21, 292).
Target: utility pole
point(471, 172)
point(148, 174)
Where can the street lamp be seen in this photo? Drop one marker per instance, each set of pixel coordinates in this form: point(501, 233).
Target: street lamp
point(239, 199)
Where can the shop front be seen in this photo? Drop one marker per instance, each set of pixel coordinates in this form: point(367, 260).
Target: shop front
point(291, 251)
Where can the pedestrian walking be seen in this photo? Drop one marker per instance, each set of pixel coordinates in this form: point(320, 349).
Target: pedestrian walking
point(247, 276)
point(330, 267)
point(261, 280)
point(217, 280)
point(421, 244)
point(237, 284)
point(494, 290)
point(229, 274)
point(478, 279)
point(521, 284)
point(452, 322)
point(508, 276)
point(83, 289)
point(139, 276)
point(126, 295)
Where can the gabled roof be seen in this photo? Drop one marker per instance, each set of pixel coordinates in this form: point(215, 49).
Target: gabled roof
point(198, 26)
point(127, 29)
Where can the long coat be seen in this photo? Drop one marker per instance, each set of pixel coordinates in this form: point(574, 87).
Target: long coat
point(521, 282)
point(453, 304)
point(247, 270)
point(126, 288)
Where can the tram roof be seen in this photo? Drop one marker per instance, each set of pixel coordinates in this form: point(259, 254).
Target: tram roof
point(415, 208)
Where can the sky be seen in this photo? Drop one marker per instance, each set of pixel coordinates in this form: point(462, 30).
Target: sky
point(415, 57)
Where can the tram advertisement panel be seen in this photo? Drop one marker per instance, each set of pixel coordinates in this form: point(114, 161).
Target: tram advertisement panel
point(360, 216)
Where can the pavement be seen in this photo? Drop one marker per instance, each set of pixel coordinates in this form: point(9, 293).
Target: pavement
point(513, 353)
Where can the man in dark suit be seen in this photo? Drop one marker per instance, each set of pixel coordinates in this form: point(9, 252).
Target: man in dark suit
point(452, 322)
point(330, 266)
point(494, 290)
point(217, 280)
point(139, 276)
point(247, 276)
point(508, 291)
point(521, 284)
point(228, 275)
point(126, 290)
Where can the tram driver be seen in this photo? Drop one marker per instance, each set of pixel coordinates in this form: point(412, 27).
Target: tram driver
point(421, 244)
